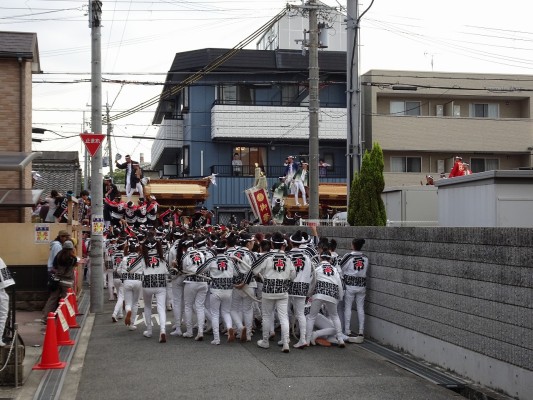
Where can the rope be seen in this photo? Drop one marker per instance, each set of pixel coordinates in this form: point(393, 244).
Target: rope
point(200, 74)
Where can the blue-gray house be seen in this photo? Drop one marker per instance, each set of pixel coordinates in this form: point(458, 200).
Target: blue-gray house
point(255, 105)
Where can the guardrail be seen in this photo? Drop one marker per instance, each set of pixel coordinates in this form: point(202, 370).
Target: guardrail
point(323, 222)
point(411, 223)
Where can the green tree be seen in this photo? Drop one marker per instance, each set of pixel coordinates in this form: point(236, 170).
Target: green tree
point(366, 207)
point(119, 176)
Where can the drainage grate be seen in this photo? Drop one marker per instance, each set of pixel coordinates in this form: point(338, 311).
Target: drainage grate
point(415, 367)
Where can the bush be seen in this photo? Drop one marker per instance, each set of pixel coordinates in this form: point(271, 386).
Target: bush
point(366, 207)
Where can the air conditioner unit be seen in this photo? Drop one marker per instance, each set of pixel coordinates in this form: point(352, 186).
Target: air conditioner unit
point(439, 110)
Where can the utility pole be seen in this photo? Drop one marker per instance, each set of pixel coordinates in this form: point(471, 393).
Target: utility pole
point(97, 206)
point(314, 110)
point(85, 159)
point(353, 94)
point(109, 130)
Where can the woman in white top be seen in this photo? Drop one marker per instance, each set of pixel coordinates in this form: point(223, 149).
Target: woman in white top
point(51, 202)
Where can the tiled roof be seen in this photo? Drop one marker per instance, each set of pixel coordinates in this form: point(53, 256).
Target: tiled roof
point(59, 170)
point(20, 44)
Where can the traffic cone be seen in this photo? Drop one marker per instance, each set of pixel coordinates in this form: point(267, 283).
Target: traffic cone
point(71, 318)
point(63, 336)
point(73, 301)
point(50, 355)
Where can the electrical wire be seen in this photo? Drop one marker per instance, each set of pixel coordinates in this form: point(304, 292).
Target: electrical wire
point(204, 71)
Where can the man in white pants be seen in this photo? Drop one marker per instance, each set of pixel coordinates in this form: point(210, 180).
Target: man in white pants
point(131, 176)
point(118, 256)
point(299, 288)
point(301, 180)
point(354, 267)
point(174, 256)
point(242, 311)
point(194, 292)
point(154, 284)
point(222, 271)
point(277, 271)
point(130, 270)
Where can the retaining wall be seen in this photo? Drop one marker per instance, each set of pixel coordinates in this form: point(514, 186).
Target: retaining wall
point(461, 298)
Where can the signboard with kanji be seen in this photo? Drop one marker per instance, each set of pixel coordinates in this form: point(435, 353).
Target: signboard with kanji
point(92, 141)
point(259, 201)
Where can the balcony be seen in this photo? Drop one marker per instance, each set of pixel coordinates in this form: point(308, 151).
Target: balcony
point(332, 174)
point(168, 139)
point(451, 134)
point(270, 122)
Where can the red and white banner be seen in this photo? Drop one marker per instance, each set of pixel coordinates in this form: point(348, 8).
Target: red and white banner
point(260, 204)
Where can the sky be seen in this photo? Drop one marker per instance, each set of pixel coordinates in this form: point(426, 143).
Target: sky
point(141, 37)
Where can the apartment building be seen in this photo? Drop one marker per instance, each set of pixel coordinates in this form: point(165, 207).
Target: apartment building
point(423, 119)
point(254, 105)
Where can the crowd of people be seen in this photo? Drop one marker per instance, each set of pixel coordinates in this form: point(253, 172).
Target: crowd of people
point(214, 278)
point(220, 279)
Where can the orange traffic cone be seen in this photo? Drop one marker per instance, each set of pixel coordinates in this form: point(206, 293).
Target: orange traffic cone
point(69, 313)
point(50, 355)
point(63, 336)
point(73, 301)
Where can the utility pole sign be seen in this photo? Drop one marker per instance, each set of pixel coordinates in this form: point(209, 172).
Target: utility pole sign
point(92, 142)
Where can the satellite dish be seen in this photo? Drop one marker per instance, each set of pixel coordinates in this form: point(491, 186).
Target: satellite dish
point(118, 156)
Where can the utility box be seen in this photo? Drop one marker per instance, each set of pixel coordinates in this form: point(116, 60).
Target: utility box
point(487, 199)
point(411, 205)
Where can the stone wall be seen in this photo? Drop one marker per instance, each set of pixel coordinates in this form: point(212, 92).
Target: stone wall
point(458, 297)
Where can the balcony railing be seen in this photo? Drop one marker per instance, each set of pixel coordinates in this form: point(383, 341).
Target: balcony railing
point(280, 103)
point(271, 171)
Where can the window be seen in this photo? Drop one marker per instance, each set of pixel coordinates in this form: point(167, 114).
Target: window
point(484, 110)
point(249, 156)
point(184, 161)
point(291, 95)
point(406, 164)
point(405, 108)
point(236, 94)
point(184, 100)
point(484, 164)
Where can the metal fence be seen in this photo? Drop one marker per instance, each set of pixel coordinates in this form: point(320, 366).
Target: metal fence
point(324, 222)
point(272, 171)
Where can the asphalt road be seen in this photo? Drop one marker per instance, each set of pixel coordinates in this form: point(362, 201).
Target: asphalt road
point(112, 362)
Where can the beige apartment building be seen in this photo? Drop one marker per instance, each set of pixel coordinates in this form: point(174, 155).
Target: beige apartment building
point(423, 119)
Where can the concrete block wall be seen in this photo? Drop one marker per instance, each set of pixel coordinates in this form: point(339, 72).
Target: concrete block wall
point(458, 297)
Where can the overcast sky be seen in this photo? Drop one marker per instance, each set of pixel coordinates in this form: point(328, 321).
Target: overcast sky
point(141, 37)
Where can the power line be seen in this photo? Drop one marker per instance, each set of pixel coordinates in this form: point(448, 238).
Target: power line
point(204, 71)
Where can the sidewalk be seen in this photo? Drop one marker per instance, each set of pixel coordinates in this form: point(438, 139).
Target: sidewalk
point(31, 331)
